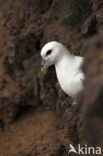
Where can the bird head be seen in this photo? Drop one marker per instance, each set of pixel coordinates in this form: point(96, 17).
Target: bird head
point(50, 54)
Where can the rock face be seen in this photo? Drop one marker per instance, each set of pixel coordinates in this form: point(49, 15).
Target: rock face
point(25, 26)
point(92, 106)
point(92, 97)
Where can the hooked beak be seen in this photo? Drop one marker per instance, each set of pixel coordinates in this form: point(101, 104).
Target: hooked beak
point(44, 67)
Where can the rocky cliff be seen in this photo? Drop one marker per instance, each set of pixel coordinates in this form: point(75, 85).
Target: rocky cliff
point(33, 117)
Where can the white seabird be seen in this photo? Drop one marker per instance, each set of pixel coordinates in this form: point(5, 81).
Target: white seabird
point(67, 65)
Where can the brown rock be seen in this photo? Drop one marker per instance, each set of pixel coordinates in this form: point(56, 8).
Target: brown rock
point(92, 97)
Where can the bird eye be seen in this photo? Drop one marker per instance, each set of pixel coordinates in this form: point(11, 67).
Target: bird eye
point(48, 52)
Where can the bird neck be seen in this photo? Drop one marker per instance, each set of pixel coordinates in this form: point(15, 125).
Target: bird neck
point(64, 68)
point(65, 63)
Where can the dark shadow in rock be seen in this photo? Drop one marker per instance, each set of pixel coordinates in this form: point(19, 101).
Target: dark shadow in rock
point(2, 123)
point(21, 111)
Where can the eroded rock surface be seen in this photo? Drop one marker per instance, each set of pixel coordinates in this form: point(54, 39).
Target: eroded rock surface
point(34, 115)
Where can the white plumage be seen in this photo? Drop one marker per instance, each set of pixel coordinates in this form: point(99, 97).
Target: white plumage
point(67, 65)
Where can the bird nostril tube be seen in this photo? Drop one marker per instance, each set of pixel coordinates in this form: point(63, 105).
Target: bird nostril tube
point(43, 63)
point(44, 67)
